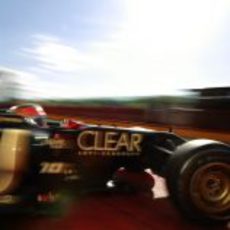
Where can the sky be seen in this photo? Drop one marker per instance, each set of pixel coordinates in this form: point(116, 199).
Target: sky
point(114, 48)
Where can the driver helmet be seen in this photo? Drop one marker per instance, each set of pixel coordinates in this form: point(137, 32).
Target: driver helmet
point(32, 112)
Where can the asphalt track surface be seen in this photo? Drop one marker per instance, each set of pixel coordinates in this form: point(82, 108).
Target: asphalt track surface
point(112, 211)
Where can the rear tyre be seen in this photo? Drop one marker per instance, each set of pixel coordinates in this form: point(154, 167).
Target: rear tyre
point(198, 180)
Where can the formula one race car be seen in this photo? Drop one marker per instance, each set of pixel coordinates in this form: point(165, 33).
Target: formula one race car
point(41, 158)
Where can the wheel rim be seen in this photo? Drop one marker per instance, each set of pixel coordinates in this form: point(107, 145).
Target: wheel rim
point(210, 189)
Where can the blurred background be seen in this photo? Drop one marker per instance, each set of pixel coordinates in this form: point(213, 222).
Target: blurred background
point(163, 64)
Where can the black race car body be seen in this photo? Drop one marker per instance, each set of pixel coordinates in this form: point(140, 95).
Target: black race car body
point(38, 163)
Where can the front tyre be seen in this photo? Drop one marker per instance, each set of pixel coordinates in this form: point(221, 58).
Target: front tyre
point(198, 179)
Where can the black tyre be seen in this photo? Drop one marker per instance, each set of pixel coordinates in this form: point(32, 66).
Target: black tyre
point(198, 180)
